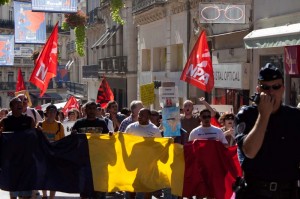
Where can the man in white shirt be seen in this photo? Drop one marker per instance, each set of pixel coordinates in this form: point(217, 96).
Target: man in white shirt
point(206, 130)
point(143, 127)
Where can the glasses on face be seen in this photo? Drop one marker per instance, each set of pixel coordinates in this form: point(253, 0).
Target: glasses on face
point(229, 118)
point(206, 117)
point(267, 87)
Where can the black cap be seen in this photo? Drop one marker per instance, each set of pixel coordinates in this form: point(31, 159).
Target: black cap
point(269, 72)
point(51, 106)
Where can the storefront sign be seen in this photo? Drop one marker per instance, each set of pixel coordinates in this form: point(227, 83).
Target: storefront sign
point(231, 75)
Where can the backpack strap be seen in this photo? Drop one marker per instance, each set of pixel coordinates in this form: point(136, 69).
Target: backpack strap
point(34, 114)
point(59, 124)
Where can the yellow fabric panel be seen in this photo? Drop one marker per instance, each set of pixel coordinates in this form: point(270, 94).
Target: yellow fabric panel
point(132, 163)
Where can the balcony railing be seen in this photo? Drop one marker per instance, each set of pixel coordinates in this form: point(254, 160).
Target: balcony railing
point(112, 64)
point(140, 5)
point(77, 88)
point(95, 16)
point(9, 24)
point(90, 71)
point(11, 86)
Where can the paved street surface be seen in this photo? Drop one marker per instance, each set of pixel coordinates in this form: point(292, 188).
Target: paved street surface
point(59, 195)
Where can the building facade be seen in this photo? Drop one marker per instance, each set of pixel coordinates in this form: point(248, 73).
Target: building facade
point(167, 32)
point(111, 52)
point(8, 74)
point(276, 38)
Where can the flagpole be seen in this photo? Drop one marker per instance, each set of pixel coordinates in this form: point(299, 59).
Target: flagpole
point(188, 41)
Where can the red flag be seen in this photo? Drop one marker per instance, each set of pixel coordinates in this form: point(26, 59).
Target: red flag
point(71, 103)
point(20, 82)
point(104, 94)
point(210, 169)
point(46, 63)
point(198, 70)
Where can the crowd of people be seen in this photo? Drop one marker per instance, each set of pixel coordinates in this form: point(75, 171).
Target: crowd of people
point(266, 134)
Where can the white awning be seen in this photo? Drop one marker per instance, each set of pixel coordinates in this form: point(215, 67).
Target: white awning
point(288, 35)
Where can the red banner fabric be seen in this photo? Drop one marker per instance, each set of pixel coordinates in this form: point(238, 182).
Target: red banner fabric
point(198, 70)
point(210, 169)
point(46, 64)
point(105, 94)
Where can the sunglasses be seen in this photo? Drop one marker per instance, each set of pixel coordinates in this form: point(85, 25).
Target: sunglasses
point(229, 118)
point(206, 116)
point(274, 87)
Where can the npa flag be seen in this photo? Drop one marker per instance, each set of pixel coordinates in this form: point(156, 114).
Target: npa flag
point(198, 70)
point(46, 63)
point(20, 82)
point(71, 103)
point(105, 94)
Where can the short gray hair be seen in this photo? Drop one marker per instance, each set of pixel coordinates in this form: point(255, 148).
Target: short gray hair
point(134, 104)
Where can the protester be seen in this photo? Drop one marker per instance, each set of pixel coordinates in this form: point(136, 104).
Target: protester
point(53, 130)
point(27, 110)
point(268, 138)
point(3, 113)
point(206, 130)
point(144, 128)
point(114, 116)
point(188, 120)
point(125, 111)
point(227, 121)
point(82, 126)
point(135, 107)
point(100, 114)
point(16, 121)
point(69, 122)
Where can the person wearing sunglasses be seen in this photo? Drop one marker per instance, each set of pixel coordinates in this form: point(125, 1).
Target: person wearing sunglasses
point(268, 139)
point(206, 130)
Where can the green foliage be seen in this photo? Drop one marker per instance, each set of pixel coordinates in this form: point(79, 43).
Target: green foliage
point(77, 21)
point(80, 39)
point(115, 8)
point(2, 2)
point(65, 26)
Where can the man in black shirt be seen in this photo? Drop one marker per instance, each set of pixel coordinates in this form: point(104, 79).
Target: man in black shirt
point(268, 138)
point(17, 122)
point(91, 124)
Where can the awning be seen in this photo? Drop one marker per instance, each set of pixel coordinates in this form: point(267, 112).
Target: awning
point(54, 96)
point(288, 35)
point(109, 33)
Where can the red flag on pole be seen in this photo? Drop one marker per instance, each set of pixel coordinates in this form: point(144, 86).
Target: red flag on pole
point(20, 82)
point(198, 70)
point(21, 88)
point(46, 63)
point(104, 94)
point(71, 103)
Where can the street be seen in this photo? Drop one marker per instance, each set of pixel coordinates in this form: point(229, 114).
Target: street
point(59, 195)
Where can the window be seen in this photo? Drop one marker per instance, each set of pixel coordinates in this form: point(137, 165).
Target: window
point(146, 59)
point(1, 76)
point(159, 59)
point(10, 14)
point(177, 57)
point(10, 77)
